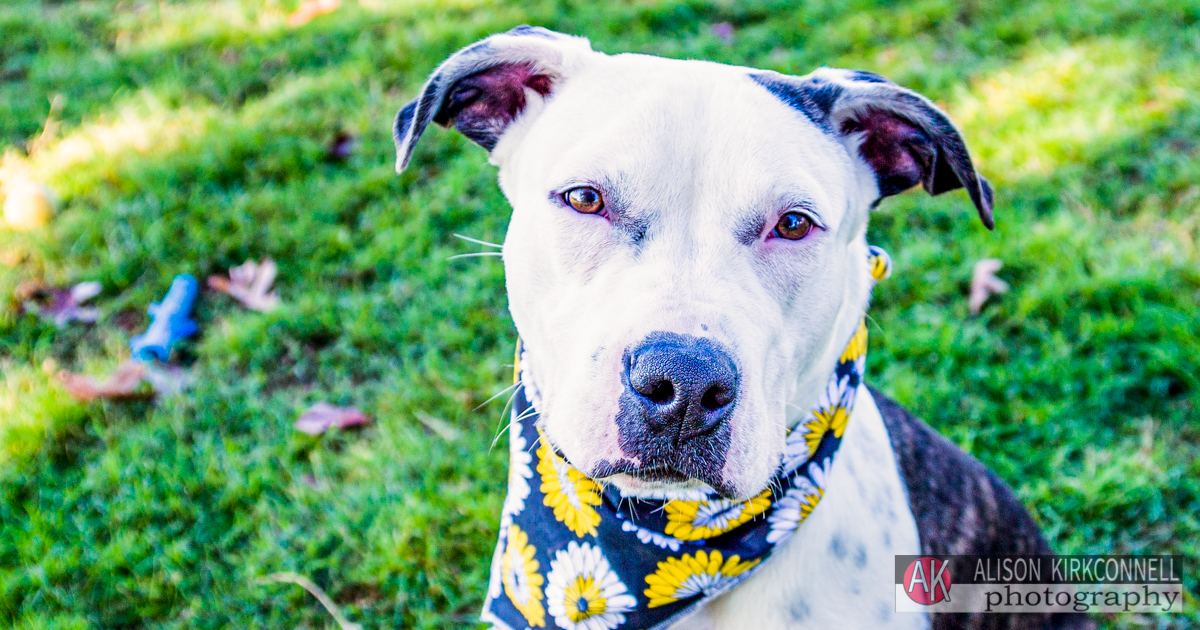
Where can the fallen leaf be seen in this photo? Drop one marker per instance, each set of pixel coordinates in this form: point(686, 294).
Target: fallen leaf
point(310, 10)
point(723, 31)
point(322, 416)
point(341, 147)
point(60, 305)
point(167, 379)
point(122, 383)
point(249, 284)
point(985, 284)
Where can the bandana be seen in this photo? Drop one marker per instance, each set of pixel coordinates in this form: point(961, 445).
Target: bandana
point(577, 554)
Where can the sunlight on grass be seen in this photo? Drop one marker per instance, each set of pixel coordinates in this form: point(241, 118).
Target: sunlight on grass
point(96, 150)
point(1041, 113)
point(32, 407)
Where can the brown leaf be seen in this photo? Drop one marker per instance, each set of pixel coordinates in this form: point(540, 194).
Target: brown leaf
point(310, 10)
point(122, 383)
point(322, 416)
point(60, 305)
point(249, 284)
point(985, 284)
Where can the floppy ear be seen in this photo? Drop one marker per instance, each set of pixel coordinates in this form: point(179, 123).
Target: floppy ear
point(900, 134)
point(482, 88)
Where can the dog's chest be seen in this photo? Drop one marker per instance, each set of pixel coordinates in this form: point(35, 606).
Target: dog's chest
point(838, 569)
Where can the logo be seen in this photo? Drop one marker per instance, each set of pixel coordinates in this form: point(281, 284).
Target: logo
point(927, 581)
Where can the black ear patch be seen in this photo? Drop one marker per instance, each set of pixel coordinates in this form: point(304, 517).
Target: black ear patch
point(905, 138)
point(482, 88)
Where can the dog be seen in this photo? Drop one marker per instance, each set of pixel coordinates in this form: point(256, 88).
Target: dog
point(714, 217)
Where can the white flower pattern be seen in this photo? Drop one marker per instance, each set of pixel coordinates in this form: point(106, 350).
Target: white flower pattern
point(583, 591)
point(519, 474)
point(803, 439)
point(798, 502)
point(651, 537)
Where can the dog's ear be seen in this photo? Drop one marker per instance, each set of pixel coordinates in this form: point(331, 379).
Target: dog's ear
point(482, 88)
point(900, 134)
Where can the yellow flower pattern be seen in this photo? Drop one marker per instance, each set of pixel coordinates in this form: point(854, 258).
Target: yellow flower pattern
point(522, 582)
point(568, 492)
point(701, 520)
point(680, 578)
point(858, 344)
point(823, 421)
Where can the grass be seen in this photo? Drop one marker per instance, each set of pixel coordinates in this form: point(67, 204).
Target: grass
point(190, 136)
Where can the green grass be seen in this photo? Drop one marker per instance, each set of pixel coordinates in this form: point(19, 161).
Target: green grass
point(191, 136)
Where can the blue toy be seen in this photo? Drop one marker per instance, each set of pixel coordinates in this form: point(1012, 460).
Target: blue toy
point(169, 323)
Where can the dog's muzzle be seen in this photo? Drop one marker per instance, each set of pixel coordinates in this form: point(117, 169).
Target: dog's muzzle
point(679, 393)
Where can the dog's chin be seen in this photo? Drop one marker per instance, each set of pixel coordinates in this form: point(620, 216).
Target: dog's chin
point(660, 483)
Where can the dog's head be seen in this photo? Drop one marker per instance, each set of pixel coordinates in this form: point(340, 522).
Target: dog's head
point(686, 257)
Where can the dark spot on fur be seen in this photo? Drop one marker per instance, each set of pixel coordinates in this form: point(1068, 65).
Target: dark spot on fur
point(748, 229)
point(533, 31)
point(860, 556)
point(812, 97)
point(867, 77)
point(837, 547)
point(799, 610)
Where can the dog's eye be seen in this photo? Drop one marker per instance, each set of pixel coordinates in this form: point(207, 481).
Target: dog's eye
point(793, 226)
point(585, 200)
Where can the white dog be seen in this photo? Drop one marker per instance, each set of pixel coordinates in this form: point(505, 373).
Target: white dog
point(685, 262)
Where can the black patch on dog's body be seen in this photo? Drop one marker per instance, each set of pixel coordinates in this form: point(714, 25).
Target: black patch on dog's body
point(962, 508)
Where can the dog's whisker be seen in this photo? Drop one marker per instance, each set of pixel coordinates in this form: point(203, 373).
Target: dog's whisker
point(499, 434)
point(474, 255)
point(477, 241)
point(496, 395)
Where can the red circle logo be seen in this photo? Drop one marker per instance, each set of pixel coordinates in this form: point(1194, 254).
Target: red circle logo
point(927, 581)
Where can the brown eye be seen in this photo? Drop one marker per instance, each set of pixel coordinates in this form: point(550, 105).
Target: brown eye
point(793, 226)
point(585, 200)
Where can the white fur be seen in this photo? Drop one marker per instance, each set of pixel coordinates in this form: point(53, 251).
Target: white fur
point(695, 149)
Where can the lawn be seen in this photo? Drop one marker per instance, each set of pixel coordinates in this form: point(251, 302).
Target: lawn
point(188, 137)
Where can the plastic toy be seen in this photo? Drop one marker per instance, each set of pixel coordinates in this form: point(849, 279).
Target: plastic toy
point(170, 322)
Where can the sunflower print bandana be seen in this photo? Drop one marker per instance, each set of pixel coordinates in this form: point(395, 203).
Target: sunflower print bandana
point(576, 555)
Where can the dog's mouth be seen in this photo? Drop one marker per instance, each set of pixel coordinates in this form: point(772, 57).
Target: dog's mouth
point(654, 476)
point(658, 474)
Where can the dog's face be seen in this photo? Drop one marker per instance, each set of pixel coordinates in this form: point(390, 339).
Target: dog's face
point(686, 257)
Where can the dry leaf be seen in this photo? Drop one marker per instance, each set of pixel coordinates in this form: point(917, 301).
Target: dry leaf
point(167, 379)
point(249, 284)
point(985, 284)
point(310, 10)
point(723, 31)
point(341, 147)
point(122, 383)
point(321, 416)
point(61, 305)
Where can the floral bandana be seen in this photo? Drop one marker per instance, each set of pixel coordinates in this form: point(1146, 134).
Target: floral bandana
point(576, 554)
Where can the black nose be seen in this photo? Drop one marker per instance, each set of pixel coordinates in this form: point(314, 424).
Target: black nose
point(686, 385)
